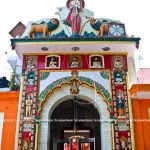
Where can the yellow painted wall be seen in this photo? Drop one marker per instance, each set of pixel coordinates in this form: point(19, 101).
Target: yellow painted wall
point(9, 105)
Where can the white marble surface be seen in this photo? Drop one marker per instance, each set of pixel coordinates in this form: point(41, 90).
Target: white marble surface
point(88, 94)
point(94, 75)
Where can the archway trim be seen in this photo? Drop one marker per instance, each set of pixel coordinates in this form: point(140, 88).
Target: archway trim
point(62, 94)
point(83, 80)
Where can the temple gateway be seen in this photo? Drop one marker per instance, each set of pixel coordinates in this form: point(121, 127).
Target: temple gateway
point(74, 88)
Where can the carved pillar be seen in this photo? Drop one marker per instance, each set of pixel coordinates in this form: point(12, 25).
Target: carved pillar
point(27, 124)
point(122, 132)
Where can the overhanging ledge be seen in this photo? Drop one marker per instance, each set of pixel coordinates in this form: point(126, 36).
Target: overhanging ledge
point(38, 46)
point(102, 39)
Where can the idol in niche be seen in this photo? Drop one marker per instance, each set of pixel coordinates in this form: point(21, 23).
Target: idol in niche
point(53, 62)
point(96, 61)
point(120, 105)
point(118, 77)
point(75, 62)
point(31, 63)
point(123, 143)
point(118, 62)
point(30, 78)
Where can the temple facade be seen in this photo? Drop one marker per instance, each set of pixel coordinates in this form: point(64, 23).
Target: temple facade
point(75, 85)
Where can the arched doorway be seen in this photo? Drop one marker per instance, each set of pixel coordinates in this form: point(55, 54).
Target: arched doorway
point(63, 94)
point(76, 114)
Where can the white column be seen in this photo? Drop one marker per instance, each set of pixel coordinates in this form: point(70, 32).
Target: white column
point(131, 71)
point(1, 126)
point(106, 142)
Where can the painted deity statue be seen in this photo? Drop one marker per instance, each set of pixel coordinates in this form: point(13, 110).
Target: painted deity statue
point(30, 78)
point(118, 64)
point(84, 146)
point(29, 103)
point(26, 145)
point(73, 19)
point(120, 105)
point(96, 63)
point(74, 63)
point(123, 143)
point(30, 64)
point(52, 63)
point(118, 76)
point(74, 89)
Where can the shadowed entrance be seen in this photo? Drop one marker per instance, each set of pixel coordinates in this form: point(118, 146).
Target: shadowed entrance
point(75, 114)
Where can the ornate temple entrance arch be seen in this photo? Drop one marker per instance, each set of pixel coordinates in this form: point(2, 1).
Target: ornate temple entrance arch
point(74, 118)
point(86, 93)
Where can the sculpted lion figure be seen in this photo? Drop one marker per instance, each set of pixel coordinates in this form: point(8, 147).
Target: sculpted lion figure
point(102, 27)
point(45, 28)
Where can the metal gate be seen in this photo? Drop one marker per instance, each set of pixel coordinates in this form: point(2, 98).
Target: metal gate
point(79, 142)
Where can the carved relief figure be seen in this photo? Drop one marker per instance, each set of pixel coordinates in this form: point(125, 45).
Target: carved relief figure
point(120, 105)
point(28, 104)
point(75, 62)
point(122, 126)
point(96, 61)
point(123, 143)
point(118, 62)
point(27, 126)
point(74, 86)
point(45, 28)
point(74, 74)
point(118, 76)
point(30, 78)
point(53, 61)
point(31, 63)
point(26, 145)
point(102, 27)
point(73, 19)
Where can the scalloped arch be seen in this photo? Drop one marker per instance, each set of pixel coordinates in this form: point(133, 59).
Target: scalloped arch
point(83, 80)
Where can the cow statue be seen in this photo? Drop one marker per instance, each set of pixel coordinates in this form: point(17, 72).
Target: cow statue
point(45, 28)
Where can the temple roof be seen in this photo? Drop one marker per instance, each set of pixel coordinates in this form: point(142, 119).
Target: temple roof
point(74, 23)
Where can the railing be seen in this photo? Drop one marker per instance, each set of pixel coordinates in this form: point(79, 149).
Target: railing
point(70, 142)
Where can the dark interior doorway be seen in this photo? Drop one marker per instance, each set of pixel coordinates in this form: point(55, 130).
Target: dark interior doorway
point(74, 113)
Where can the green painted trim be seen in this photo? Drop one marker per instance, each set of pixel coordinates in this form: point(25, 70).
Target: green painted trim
point(112, 39)
point(83, 80)
point(44, 75)
point(105, 74)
